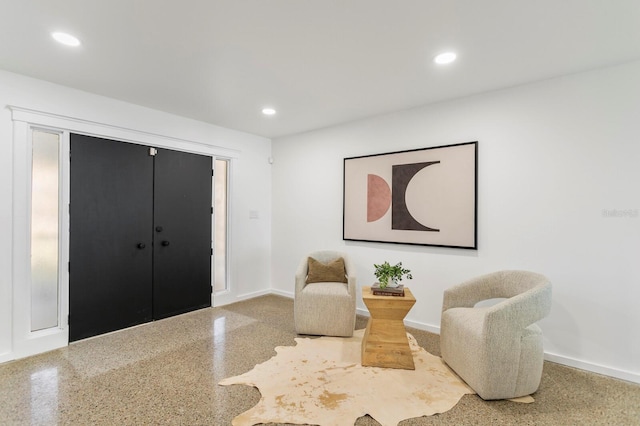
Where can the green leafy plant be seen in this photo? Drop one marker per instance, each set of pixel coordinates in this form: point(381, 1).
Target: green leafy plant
point(385, 273)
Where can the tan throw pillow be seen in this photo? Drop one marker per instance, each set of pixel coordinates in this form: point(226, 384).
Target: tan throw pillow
point(326, 272)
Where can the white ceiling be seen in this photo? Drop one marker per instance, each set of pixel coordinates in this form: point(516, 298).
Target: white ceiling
point(318, 62)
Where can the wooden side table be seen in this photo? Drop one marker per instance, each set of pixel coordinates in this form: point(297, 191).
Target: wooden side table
point(385, 342)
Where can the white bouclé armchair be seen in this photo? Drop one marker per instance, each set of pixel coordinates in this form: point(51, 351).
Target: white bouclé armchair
point(497, 349)
point(325, 308)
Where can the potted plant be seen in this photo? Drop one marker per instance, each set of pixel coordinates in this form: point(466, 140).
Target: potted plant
point(389, 275)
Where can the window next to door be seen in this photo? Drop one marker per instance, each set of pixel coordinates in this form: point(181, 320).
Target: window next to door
point(221, 186)
point(45, 195)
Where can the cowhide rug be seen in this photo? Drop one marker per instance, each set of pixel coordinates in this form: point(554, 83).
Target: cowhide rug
point(321, 381)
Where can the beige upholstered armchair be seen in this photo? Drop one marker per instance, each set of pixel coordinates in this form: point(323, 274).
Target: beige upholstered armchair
point(325, 295)
point(496, 349)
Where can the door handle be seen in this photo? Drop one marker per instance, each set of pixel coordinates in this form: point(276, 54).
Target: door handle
point(141, 246)
point(165, 243)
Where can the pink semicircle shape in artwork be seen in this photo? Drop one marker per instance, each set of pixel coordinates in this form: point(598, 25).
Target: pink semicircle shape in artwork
point(378, 197)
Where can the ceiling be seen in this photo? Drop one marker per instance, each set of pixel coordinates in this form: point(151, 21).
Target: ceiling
point(317, 62)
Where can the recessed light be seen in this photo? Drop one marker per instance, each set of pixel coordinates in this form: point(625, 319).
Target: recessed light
point(268, 111)
point(66, 39)
point(445, 58)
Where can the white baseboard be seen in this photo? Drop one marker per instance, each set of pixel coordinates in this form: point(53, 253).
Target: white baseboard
point(288, 294)
point(227, 297)
point(6, 357)
point(594, 368)
point(363, 312)
point(423, 326)
point(248, 296)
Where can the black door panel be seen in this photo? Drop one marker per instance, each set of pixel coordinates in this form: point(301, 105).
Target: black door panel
point(110, 223)
point(182, 237)
point(140, 235)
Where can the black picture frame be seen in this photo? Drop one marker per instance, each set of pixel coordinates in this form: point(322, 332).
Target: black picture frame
point(425, 196)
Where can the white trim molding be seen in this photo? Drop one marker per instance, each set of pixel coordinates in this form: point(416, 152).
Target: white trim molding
point(594, 368)
point(124, 134)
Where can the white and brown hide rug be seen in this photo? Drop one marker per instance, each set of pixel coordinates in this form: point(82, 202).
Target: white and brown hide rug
point(321, 381)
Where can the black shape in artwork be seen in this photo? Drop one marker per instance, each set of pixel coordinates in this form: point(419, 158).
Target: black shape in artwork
point(401, 218)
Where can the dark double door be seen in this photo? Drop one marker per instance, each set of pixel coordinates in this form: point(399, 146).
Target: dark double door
point(140, 235)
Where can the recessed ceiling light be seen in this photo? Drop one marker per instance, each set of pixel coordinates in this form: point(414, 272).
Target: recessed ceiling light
point(445, 58)
point(66, 39)
point(268, 111)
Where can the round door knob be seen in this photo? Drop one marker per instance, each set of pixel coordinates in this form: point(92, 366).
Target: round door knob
point(158, 228)
point(165, 243)
point(141, 246)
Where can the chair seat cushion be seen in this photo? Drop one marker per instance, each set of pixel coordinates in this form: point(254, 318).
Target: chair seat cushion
point(327, 289)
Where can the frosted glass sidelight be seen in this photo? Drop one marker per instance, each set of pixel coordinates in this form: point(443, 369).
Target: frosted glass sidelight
point(44, 230)
point(220, 182)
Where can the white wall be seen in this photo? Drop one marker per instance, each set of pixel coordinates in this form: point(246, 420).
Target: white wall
point(552, 156)
point(250, 240)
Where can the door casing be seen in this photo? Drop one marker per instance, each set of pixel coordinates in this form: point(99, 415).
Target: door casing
point(17, 309)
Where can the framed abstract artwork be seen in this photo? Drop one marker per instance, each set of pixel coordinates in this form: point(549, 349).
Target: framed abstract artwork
point(423, 196)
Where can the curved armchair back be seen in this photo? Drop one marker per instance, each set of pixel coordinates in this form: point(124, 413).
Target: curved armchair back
point(527, 295)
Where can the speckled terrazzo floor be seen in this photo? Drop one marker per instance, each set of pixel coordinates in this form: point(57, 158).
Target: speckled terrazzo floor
point(166, 373)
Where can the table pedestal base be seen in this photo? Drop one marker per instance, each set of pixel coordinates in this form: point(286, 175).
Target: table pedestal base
point(385, 342)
